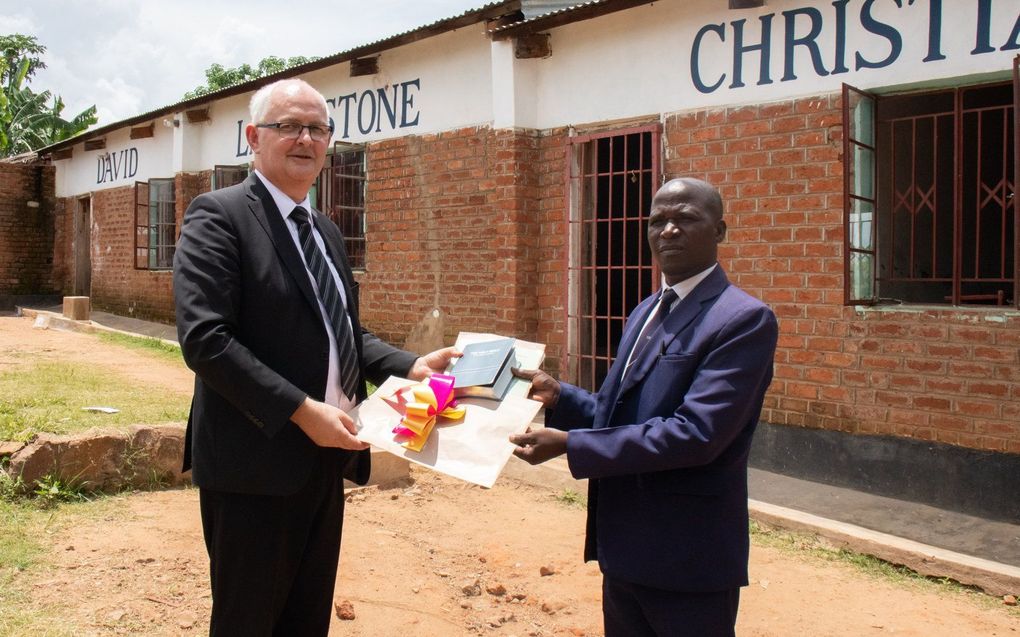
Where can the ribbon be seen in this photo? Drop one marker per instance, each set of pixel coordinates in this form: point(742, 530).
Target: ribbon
point(420, 406)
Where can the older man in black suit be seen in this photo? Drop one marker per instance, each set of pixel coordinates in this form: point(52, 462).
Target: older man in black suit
point(267, 317)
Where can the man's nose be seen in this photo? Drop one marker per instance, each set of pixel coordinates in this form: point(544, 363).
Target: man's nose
point(670, 228)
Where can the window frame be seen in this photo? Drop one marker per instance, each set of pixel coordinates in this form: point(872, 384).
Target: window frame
point(351, 219)
point(150, 219)
point(857, 143)
point(220, 171)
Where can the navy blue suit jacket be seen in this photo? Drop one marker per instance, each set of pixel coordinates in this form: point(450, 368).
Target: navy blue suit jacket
point(665, 449)
point(250, 327)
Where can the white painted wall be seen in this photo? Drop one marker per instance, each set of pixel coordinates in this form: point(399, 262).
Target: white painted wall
point(123, 162)
point(628, 64)
point(638, 61)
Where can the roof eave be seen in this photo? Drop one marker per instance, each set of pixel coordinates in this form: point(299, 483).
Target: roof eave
point(468, 18)
point(559, 18)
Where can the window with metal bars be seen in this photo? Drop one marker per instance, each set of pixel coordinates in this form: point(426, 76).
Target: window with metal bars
point(612, 177)
point(930, 207)
point(340, 195)
point(224, 176)
point(155, 224)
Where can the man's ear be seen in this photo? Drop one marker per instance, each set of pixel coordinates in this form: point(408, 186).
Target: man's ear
point(720, 231)
point(251, 134)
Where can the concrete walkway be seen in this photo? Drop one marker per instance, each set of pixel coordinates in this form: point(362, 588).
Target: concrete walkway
point(934, 542)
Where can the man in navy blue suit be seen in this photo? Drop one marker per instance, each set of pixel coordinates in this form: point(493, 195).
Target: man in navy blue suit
point(665, 440)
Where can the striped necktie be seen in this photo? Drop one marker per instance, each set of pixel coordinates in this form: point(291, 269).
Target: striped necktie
point(645, 338)
point(330, 297)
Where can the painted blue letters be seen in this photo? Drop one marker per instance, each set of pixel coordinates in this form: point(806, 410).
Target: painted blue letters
point(871, 25)
point(720, 29)
point(808, 41)
point(372, 109)
point(119, 165)
point(240, 138)
point(764, 47)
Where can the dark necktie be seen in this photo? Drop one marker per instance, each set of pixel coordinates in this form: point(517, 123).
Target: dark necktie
point(330, 297)
point(645, 338)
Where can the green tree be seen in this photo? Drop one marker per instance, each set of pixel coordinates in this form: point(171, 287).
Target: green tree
point(30, 120)
point(218, 76)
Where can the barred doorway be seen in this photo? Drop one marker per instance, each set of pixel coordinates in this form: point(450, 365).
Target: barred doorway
point(612, 178)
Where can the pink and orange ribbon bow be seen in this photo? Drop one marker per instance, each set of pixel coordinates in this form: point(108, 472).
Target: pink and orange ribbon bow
point(421, 405)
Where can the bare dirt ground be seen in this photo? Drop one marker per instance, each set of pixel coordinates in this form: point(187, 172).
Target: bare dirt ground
point(432, 557)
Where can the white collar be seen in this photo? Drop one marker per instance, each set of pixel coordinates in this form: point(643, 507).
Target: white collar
point(683, 288)
point(285, 204)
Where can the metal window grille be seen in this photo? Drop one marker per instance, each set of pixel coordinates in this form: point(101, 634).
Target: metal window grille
point(224, 176)
point(340, 195)
point(155, 224)
point(941, 199)
point(611, 179)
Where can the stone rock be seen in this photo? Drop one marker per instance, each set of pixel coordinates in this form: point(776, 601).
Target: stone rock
point(471, 590)
point(496, 589)
point(1009, 600)
point(546, 571)
point(8, 449)
point(344, 610)
point(105, 460)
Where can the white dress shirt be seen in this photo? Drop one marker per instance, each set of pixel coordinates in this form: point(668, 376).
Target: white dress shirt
point(334, 394)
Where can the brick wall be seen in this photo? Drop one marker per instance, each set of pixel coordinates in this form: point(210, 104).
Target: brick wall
point(26, 233)
point(117, 287)
point(452, 224)
point(553, 248)
point(948, 375)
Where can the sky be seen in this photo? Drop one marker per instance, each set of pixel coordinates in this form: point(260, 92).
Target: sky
point(128, 57)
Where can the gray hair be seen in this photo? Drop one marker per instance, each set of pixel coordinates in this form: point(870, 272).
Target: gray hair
point(259, 103)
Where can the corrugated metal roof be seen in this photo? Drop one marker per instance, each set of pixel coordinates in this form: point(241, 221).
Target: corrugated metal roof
point(534, 17)
point(470, 16)
point(536, 8)
point(565, 15)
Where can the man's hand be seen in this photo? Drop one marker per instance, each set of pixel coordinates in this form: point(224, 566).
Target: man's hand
point(535, 447)
point(544, 388)
point(327, 425)
point(433, 363)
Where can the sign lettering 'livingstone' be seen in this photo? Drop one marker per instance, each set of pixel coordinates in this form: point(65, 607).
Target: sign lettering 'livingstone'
point(710, 41)
point(370, 111)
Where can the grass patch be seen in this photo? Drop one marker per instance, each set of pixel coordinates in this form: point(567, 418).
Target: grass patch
point(19, 551)
point(49, 397)
point(23, 556)
point(159, 347)
point(809, 546)
point(571, 498)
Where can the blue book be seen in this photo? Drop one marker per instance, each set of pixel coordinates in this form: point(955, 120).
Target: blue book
point(484, 369)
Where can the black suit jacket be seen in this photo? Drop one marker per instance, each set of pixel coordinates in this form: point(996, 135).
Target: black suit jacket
point(250, 327)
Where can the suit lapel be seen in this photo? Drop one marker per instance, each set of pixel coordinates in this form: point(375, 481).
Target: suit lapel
point(264, 209)
point(679, 320)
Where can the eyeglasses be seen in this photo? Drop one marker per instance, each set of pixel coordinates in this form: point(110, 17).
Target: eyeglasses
point(293, 130)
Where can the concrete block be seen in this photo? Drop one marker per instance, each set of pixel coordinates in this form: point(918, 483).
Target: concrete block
point(76, 308)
